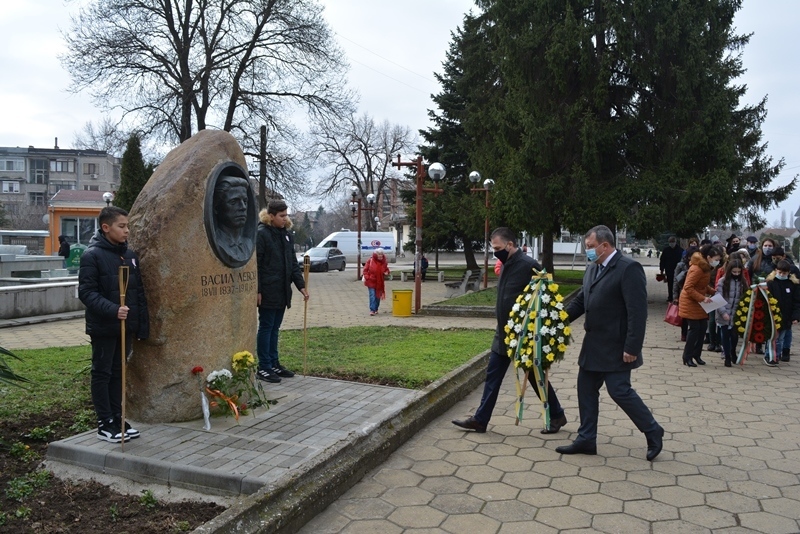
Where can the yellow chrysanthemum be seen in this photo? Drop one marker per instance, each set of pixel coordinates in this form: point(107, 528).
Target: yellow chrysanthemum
point(548, 322)
point(511, 335)
point(559, 298)
point(562, 348)
point(507, 329)
point(553, 288)
point(567, 330)
point(552, 341)
point(242, 360)
point(551, 357)
point(527, 288)
point(507, 341)
point(563, 315)
point(741, 330)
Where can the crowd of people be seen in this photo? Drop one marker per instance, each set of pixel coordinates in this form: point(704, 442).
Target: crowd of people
point(703, 269)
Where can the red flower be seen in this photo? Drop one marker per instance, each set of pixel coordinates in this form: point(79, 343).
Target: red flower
point(759, 315)
point(758, 327)
point(758, 337)
point(758, 303)
point(197, 369)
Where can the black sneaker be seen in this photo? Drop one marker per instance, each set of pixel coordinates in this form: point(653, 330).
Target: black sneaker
point(770, 363)
point(109, 431)
point(130, 432)
point(282, 371)
point(267, 376)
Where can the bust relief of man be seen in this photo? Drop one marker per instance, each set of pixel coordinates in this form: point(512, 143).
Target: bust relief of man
point(233, 238)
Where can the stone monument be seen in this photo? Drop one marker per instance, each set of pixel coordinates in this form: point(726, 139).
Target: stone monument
point(193, 226)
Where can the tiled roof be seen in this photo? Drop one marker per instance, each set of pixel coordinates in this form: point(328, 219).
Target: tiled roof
point(74, 195)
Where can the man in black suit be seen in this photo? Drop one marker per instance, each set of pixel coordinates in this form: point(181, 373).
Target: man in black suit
point(614, 300)
point(516, 274)
point(670, 257)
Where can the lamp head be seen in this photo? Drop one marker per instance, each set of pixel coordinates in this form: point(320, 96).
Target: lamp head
point(436, 172)
point(371, 199)
point(108, 197)
point(353, 207)
point(474, 177)
point(488, 184)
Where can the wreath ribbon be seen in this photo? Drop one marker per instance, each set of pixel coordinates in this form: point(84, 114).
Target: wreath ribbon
point(231, 401)
point(766, 321)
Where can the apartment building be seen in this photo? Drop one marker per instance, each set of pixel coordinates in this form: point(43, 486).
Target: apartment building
point(30, 177)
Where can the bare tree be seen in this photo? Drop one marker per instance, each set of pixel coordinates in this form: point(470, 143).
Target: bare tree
point(22, 216)
point(178, 66)
point(357, 151)
point(105, 135)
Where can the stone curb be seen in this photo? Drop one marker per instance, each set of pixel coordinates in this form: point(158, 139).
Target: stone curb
point(294, 499)
point(38, 319)
point(457, 311)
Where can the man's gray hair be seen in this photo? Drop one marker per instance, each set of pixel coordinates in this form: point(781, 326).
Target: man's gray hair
point(602, 234)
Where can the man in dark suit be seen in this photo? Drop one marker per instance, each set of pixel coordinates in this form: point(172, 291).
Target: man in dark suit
point(516, 274)
point(614, 300)
point(670, 257)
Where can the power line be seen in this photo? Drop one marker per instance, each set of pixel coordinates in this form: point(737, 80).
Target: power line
point(386, 59)
point(390, 77)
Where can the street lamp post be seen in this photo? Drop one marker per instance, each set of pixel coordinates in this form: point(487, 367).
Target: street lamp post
point(436, 172)
point(475, 177)
point(356, 209)
point(108, 197)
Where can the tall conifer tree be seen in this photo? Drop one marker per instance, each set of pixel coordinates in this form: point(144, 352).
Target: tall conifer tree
point(133, 173)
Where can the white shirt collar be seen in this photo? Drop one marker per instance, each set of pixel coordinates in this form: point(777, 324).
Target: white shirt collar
point(608, 259)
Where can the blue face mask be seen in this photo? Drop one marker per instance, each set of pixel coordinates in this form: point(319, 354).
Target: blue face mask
point(591, 254)
point(782, 276)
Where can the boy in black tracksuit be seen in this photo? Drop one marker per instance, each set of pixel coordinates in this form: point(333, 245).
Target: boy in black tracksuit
point(98, 289)
point(785, 288)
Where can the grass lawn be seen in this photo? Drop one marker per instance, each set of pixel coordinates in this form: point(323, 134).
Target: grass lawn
point(393, 355)
point(488, 297)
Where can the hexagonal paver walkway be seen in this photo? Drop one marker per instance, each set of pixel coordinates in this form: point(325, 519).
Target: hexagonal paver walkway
point(731, 458)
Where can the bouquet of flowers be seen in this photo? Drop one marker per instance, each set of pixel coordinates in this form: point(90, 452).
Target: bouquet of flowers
point(757, 320)
point(537, 334)
point(235, 392)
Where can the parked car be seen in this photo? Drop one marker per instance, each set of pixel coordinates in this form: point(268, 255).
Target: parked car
point(324, 259)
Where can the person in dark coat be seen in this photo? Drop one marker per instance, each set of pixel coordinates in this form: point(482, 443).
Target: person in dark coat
point(277, 270)
point(614, 300)
point(785, 288)
point(63, 248)
point(98, 289)
point(670, 257)
point(516, 274)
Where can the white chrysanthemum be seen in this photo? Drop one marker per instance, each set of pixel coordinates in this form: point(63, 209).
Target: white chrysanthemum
point(559, 305)
point(518, 328)
point(531, 335)
point(545, 298)
point(515, 307)
point(512, 343)
point(546, 349)
point(213, 375)
point(544, 331)
point(525, 358)
point(560, 326)
point(543, 313)
point(554, 315)
point(528, 297)
point(523, 313)
point(560, 339)
point(510, 323)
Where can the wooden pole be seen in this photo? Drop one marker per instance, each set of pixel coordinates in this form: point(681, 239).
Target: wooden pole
point(123, 287)
point(306, 268)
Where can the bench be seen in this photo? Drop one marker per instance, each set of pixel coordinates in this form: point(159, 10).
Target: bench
point(409, 275)
point(468, 282)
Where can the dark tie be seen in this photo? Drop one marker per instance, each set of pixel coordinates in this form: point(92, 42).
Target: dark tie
point(598, 271)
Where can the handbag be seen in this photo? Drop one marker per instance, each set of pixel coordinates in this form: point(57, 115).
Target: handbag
point(672, 317)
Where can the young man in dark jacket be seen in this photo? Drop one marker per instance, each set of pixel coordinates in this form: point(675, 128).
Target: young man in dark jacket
point(785, 288)
point(63, 248)
point(516, 274)
point(277, 270)
point(98, 289)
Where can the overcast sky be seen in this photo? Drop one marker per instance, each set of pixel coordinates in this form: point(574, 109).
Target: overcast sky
point(393, 48)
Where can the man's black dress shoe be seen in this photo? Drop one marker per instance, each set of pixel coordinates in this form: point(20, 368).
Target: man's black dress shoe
point(470, 423)
point(555, 425)
point(654, 443)
point(578, 447)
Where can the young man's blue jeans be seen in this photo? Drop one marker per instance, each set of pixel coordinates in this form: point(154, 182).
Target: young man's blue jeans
point(780, 340)
point(374, 301)
point(269, 324)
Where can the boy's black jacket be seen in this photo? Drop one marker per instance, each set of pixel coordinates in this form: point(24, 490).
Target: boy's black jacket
point(98, 289)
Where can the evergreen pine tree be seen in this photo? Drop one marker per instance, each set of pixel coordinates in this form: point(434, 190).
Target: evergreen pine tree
point(133, 173)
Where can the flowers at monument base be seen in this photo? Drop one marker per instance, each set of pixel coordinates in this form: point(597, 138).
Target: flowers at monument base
point(757, 319)
point(237, 391)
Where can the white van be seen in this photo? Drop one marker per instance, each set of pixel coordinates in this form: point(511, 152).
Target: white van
point(347, 242)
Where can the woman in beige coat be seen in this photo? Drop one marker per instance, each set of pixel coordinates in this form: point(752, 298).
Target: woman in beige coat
point(696, 289)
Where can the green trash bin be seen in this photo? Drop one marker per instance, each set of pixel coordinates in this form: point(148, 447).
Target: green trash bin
point(74, 258)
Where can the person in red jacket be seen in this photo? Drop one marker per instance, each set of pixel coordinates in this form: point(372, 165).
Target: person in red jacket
point(374, 271)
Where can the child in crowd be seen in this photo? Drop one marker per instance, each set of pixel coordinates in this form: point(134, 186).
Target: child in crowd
point(731, 286)
point(785, 288)
point(98, 289)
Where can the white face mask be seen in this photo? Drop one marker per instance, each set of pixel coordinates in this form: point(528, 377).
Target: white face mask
point(714, 263)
